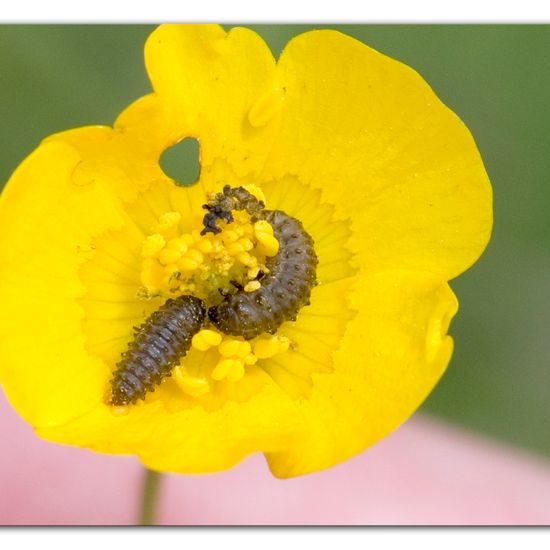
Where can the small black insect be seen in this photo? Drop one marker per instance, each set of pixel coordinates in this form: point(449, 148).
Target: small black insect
point(287, 286)
point(232, 198)
point(159, 344)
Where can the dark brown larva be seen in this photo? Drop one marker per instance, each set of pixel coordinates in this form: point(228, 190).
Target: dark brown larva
point(159, 344)
point(285, 289)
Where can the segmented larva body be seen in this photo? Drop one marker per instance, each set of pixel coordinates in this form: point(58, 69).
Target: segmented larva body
point(285, 289)
point(160, 342)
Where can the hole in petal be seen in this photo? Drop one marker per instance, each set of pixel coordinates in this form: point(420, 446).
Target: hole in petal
point(181, 162)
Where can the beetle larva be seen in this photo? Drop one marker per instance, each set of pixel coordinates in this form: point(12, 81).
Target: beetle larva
point(159, 344)
point(285, 289)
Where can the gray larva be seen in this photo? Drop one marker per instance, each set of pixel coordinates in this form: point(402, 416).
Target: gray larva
point(287, 286)
point(159, 344)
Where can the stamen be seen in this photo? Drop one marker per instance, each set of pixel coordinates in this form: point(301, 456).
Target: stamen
point(205, 339)
point(232, 369)
point(153, 245)
point(230, 347)
point(235, 354)
point(191, 385)
point(263, 232)
point(176, 263)
point(268, 346)
point(168, 224)
point(252, 286)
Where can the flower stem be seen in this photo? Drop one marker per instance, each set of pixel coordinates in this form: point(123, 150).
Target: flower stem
point(149, 497)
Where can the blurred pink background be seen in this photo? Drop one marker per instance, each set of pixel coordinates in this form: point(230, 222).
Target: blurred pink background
point(426, 473)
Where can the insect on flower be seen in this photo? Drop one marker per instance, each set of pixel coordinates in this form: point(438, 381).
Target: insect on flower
point(287, 286)
point(159, 344)
point(166, 336)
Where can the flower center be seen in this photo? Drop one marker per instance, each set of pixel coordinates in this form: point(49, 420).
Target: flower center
point(210, 265)
point(207, 265)
point(254, 275)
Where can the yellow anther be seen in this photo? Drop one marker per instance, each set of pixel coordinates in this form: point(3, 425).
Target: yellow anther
point(254, 269)
point(246, 243)
point(268, 346)
point(211, 336)
point(243, 350)
point(188, 264)
point(263, 226)
point(250, 359)
point(269, 245)
point(169, 256)
point(152, 245)
point(236, 371)
point(206, 339)
point(256, 191)
point(246, 259)
point(198, 343)
point(234, 248)
point(187, 239)
point(230, 236)
point(196, 255)
point(177, 244)
point(168, 223)
point(241, 217)
point(190, 385)
point(252, 286)
point(228, 368)
point(205, 245)
point(229, 347)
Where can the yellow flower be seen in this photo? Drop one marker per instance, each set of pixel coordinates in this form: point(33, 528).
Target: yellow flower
point(94, 237)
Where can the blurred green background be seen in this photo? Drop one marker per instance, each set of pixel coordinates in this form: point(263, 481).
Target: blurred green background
point(496, 78)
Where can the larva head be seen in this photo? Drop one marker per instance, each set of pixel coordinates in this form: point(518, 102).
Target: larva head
point(239, 315)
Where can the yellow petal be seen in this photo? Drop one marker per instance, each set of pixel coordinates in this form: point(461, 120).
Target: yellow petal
point(208, 81)
point(72, 231)
point(352, 143)
point(392, 354)
point(56, 382)
point(46, 222)
point(190, 441)
point(371, 134)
